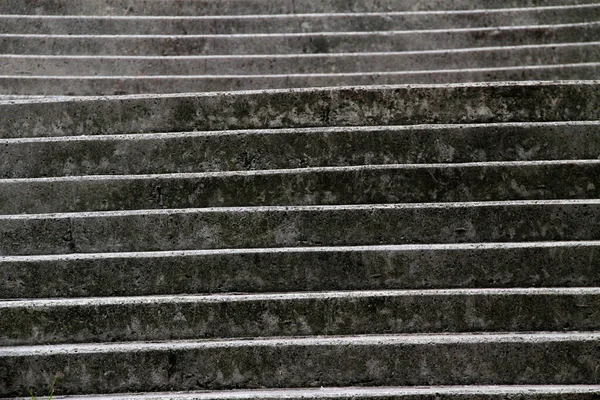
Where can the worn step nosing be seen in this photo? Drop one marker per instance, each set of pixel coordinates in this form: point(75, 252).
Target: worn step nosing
point(300, 250)
point(307, 171)
point(292, 131)
point(366, 340)
point(350, 392)
point(315, 208)
point(533, 84)
point(32, 304)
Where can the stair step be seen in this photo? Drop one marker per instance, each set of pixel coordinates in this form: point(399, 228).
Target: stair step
point(292, 23)
point(358, 106)
point(276, 226)
point(296, 148)
point(290, 64)
point(119, 85)
point(468, 265)
point(392, 360)
point(473, 392)
point(250, 7)
point(293, 43)
point(115, 319)
point(371, 184)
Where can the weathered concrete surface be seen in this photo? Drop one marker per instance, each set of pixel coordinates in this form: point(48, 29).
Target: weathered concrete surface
point(243, 227)
point(297, 148)
point(287, 64)
point(91, 86)
point(479, 265)
point(418, 250)
point(323, 22)
point(358, 106)
point(472, 392)
point(250, 7)
point(294, 43)
point(459, 359)
point(149, 318)
point(372, 184)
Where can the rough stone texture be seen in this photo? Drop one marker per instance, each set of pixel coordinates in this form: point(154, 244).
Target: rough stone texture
point(309, 186)
point(297, 148)
point(85, 86)
point(249, 66)
point(330, 42)
point(357, 106)
point(249, 227)
point(296, 314)
point(323, 22)
point(385, 242)
point(123, 47)
point(558, 358)
point(480, 265)
point(228, 7)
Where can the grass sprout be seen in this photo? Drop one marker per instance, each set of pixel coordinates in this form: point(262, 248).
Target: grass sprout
point(50, 392)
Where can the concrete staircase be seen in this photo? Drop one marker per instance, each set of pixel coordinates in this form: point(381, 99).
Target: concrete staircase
point(377, 242)
point(108, 47)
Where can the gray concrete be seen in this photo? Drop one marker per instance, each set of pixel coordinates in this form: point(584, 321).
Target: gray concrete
point(255, 227)
point(290, 23)
point(250, 7)
point(150, 318)
point(288, 64)
point(90, 86)
point(297, 148)
point(373, 184)
point(294, 43)
point(474, 392)
point(426, 266)
point(458, 359)
point(426, 240)
point(357, 106)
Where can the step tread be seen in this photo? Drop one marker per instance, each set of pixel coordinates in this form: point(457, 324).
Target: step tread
point(292, 75)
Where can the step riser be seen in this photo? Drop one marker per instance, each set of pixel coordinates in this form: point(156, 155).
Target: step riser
point(252, 7)
point(30, 324)
point(310, 187)
point(316, 270)
point(120, 86)
point(294, 44)
point(251, 228)
point(299, 64)
point(401, 105)
point(290, 365)
point(275, 149)
point(294, 24)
